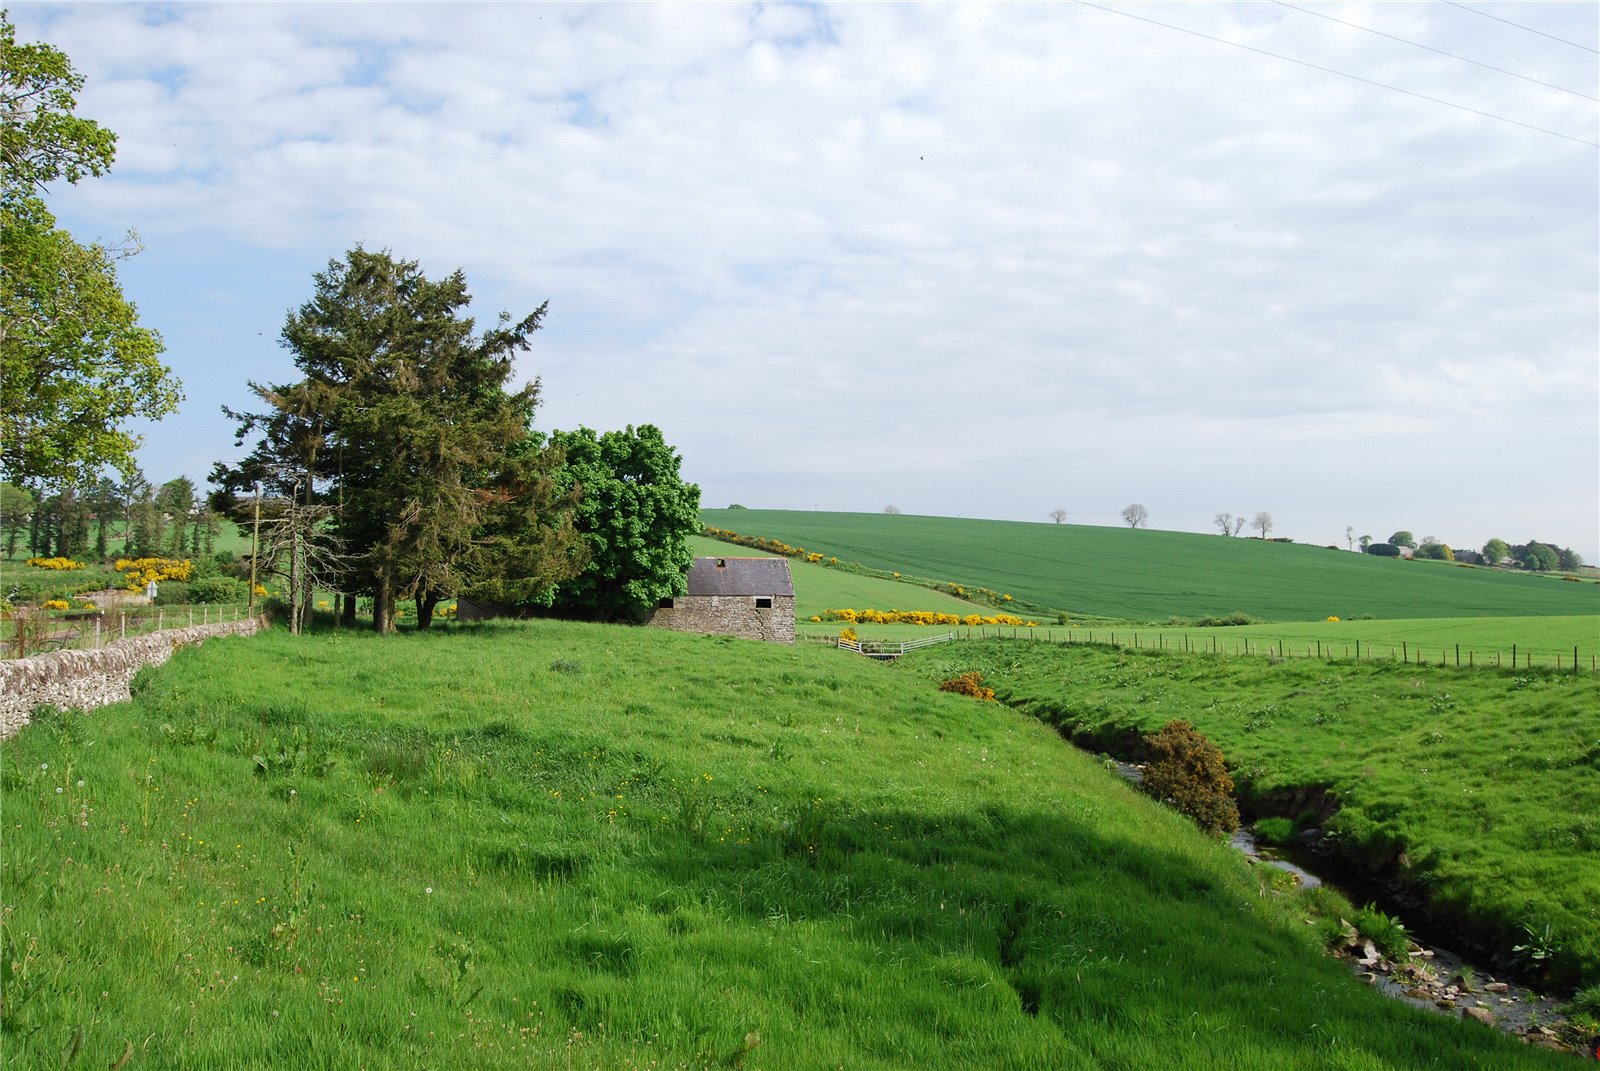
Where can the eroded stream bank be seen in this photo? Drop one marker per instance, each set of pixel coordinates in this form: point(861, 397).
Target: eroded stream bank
point(1432, 975)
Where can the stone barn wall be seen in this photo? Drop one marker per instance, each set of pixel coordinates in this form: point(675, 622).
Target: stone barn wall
point(729, 615)
point(85, 679)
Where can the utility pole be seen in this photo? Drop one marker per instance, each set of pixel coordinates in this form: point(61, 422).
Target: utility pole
point(255, 541)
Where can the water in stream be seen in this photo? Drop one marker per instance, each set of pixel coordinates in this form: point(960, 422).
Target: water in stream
point(1436, 978)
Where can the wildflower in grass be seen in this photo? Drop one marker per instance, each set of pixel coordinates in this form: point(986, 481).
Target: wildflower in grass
point(1333, 618)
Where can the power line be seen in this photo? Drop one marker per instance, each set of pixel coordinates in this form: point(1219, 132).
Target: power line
point(1519, 26)
point(1343, 74)
point(1438, 51)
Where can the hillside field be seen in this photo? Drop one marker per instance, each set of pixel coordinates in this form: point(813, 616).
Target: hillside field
point(541, 844)
point(1149, 576)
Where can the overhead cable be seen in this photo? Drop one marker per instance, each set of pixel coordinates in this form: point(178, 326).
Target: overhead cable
point(1519, 26)
point(1430, 48)
point(1343, 74)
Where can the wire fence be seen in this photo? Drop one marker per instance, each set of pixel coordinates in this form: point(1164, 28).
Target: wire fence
point(1212, 641)
point(1464, 656)
point(30, 632)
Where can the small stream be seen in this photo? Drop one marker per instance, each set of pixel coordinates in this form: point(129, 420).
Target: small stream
point(1436, 978)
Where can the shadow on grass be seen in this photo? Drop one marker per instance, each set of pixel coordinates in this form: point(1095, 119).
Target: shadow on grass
point(1109, 939)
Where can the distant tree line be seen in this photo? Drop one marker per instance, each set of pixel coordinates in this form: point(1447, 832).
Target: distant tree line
point(132, 518)
point(1533, 555)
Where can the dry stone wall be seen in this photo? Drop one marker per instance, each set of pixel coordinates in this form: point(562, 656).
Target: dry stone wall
point(729, 615)
point(86, 679)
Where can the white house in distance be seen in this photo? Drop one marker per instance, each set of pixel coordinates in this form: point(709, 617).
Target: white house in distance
point(748, 597)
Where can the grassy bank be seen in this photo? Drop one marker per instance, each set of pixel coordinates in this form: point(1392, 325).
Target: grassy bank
point(1479, 787)
point(552, 845)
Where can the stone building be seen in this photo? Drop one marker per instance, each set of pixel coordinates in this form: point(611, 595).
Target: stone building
point(748, 597)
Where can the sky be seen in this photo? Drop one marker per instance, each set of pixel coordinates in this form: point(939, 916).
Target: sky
point(1336, 262)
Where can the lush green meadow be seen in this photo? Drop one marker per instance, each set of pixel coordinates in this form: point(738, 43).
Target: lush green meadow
point(1480, 790)
point(554, 845)
point(1142, 575)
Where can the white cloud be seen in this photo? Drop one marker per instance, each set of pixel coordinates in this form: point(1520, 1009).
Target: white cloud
point(1012, 255)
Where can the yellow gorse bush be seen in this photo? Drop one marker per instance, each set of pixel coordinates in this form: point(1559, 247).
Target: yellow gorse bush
point(140, 571)
point(61, 564)
point(56, 604)
point(921, 617)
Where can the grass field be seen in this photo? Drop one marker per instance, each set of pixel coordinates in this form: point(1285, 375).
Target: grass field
point(1482, 788)
point(1150, 576)
point(553, 845)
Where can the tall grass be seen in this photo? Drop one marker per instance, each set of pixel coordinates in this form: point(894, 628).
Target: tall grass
point(555, 845)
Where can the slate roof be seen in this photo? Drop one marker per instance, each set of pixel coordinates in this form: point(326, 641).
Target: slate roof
point(740, 576)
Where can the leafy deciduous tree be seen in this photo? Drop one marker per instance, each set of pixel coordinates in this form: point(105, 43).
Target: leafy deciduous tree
point(1403, 538)
point(75, 364)
point(635, 516)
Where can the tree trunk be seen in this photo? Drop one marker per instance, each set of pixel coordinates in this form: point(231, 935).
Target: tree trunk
point(383, 604)
point(347, 611)
point(425, 606)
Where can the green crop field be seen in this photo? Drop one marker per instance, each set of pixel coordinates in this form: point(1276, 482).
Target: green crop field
point(552, 845)
point(1482, 789)
point(1130, 575)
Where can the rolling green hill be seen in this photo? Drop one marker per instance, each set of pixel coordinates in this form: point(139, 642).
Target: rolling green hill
point(1152, 575)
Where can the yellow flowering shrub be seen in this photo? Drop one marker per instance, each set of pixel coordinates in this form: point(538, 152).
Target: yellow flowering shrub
point(969, 683)
point(59, 564)
point(920, 617)
point(55, 604)
point(140, 571)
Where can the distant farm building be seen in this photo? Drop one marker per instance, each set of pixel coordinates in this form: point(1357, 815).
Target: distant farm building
point(748, 597)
